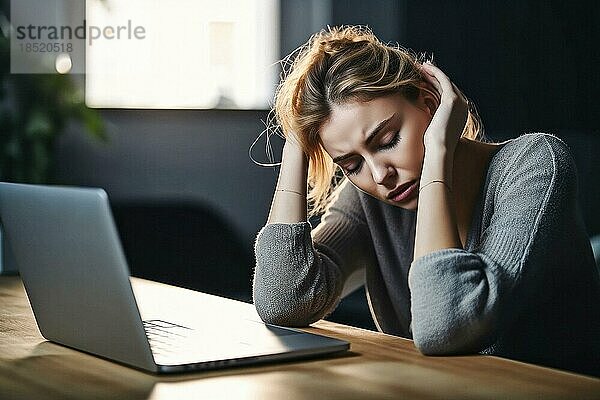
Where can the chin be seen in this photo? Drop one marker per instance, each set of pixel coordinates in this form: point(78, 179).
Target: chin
point(410, 205)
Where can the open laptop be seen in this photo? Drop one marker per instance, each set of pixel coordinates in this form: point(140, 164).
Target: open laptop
point(68, 252)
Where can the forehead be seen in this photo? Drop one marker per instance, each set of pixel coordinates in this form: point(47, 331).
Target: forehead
point(349, 123)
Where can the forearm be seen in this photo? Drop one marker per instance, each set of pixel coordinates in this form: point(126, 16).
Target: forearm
point(436, 214)
point(289, 199)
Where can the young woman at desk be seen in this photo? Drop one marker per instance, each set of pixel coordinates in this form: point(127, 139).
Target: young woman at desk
point(464, 246)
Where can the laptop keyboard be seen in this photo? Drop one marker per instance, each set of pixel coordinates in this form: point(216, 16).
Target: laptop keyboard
point(165, 337)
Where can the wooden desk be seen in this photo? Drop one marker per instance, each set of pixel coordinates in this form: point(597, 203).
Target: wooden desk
point(378, 366)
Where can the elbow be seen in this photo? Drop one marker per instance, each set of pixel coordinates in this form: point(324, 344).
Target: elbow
point(275, 308)
point(276, 317)
point(453, 309)
point(431, 339)
point(269, 314)
point(430, 344)
point(436, 337)
point(274, 313)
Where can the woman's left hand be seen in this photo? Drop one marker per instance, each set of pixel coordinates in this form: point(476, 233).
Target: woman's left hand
point(448, 122)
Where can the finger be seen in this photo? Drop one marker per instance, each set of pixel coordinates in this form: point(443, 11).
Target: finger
point(429, 78)
point(444, 78)
point(432, 81)
point(435, 89)
point(444, 81)
point(428, 87)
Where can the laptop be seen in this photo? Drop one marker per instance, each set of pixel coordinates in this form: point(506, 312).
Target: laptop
point(67, 249)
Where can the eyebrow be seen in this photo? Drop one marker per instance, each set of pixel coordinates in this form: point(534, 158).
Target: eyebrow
point(370, 137)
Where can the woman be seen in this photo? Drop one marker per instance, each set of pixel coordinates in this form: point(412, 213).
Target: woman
point(464, 246)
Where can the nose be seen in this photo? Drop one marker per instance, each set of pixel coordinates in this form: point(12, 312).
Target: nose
point(382, 173)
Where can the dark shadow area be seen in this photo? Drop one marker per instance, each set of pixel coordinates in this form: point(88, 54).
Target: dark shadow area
point(353, 310)
point(184, 244)
point(528, 65)
point(61, 373)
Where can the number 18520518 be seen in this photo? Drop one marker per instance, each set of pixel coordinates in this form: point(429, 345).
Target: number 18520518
point(46, 47)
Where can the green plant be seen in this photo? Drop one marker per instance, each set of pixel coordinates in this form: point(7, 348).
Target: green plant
point(35, 109)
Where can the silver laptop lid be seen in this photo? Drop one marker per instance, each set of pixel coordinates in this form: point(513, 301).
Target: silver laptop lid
point(74, 294)
point(68, 251)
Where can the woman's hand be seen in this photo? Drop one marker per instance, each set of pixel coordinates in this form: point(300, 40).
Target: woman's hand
point(450, 118)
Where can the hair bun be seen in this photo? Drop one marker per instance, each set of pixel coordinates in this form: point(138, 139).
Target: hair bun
point(337, 39)
point(333, 46)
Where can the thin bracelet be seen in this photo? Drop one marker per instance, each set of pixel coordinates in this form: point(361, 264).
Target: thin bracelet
point(435, 181)
point(291, 191)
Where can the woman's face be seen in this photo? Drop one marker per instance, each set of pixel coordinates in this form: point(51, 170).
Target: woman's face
point(379, 145)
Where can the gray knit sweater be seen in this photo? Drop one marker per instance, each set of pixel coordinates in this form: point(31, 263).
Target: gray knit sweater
point(525, 286)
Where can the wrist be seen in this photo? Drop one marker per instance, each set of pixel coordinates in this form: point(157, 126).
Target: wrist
point(437, 165)
point(293, 171)
point(438, 151)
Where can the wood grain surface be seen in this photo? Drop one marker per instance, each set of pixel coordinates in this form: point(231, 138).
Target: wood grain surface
point(378, 366)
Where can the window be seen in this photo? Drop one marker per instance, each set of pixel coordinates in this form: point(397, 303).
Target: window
point(181, 54)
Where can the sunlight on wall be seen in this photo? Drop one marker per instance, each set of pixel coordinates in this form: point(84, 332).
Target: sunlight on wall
point(181, 54)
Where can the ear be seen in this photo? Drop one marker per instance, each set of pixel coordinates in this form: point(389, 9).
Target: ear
point(429, 99)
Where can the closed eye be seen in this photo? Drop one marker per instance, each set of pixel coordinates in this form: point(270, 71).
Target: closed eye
point(352, 170)
point(386, 144)
point(391, 143)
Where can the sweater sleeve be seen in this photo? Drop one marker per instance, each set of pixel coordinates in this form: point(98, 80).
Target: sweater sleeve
point(460, 300)
point(300, 272)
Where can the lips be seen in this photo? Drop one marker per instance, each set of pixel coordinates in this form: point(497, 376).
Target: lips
point(400, 189)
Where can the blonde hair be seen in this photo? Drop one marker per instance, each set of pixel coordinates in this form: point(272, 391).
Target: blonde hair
point(335, 66)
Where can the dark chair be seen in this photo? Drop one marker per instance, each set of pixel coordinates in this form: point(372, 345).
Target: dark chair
point(184, 244)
